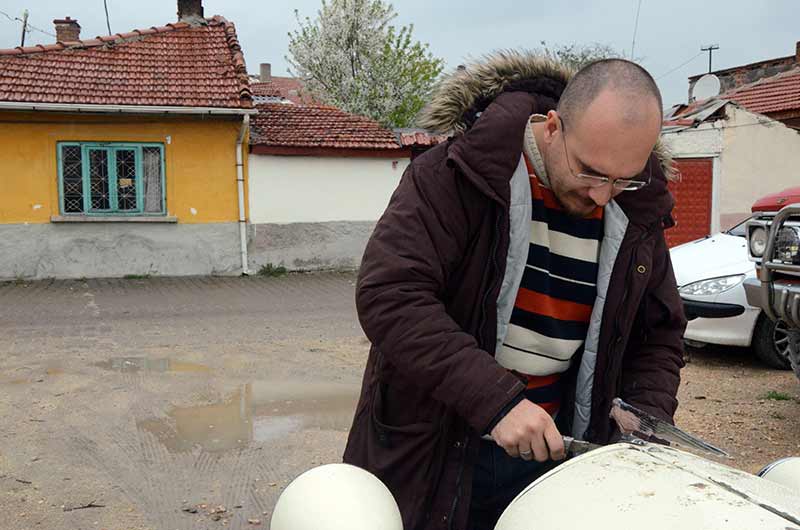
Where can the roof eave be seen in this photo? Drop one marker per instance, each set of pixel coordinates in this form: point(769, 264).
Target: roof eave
point(123, 109)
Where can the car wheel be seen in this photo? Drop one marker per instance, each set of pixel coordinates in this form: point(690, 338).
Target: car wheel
point(771, 343)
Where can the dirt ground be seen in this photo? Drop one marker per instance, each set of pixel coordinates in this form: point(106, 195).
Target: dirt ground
point(731, 400)
point(190, 403)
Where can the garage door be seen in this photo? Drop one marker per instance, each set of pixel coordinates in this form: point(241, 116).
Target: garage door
point(692, 194)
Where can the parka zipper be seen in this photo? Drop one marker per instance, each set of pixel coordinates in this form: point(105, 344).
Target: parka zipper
point(617, 339)
point(493, 265)
point(482, 324)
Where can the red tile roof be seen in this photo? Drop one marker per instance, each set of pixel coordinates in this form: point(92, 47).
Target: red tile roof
point(778, 93)
point(290, 88)
point(179, 64)
point(419, 138)
point(289, 125)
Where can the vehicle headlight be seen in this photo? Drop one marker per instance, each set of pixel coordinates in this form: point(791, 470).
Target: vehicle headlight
point(758, 241)
point(712, 285)
point(787, 245)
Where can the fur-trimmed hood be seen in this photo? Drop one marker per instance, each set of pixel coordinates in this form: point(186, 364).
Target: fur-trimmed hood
point(461, 96)
point(483, 81)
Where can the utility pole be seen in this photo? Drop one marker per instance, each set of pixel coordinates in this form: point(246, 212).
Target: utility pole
point(24, 27)
point(710, 49)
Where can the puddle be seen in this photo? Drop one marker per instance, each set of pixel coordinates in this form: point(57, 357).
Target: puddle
point(143, 364)
point(257, 412)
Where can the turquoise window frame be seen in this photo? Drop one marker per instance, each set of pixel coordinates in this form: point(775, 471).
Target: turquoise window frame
point(111, 148)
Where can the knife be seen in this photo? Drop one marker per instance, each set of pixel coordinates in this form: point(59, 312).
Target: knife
point(572, 446)
point(575, 447)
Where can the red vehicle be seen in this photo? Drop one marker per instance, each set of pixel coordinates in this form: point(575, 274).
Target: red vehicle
point(773, 241)
point(772, 203)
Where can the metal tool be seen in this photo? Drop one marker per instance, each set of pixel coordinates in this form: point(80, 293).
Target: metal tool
point(572, 446)
point(636, 423)
point(637, 426)
point(575, 447)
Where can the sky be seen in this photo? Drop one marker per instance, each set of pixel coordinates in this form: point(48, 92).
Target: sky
point(668, 39)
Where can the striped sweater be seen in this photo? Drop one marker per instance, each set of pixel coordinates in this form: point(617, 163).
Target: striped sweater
point(555, 299)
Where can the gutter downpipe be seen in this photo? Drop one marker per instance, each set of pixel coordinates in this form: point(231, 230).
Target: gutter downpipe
point(240, 184)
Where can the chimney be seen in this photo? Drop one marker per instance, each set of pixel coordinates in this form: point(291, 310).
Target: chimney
point(266, 72)
point(797, 52)
point(190, 11)
point(67, 30)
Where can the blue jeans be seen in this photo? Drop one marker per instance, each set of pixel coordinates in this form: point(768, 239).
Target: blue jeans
point(497, 480)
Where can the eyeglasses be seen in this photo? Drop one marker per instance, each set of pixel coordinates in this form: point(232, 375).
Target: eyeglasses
point(597, 181)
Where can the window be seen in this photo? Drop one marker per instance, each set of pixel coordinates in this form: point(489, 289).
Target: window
point(111, 179)
point(739, 229)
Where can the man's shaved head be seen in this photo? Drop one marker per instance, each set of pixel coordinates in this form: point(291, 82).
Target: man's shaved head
point(623, 77)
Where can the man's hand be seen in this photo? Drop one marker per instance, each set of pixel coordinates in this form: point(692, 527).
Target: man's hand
point(528, 431)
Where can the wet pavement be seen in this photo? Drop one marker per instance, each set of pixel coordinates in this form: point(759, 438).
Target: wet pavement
point(170, 403)
point(176, 404)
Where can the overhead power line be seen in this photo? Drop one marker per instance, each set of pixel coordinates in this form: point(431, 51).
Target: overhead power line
point(635, 28)
point(28, 25)
point(692, 58)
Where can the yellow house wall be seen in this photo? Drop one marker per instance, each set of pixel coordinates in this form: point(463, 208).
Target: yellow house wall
point(200, 162)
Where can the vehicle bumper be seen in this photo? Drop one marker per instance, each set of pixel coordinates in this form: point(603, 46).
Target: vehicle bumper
point(731, 331)
point(785, 298)
point(725, 319)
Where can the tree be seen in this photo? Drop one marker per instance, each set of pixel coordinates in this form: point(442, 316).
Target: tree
point(351, 57)
point(577, 56)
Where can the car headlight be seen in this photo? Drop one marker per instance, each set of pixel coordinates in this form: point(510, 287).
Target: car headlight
point(758, 241)
point(712, 285)
point(787, 245)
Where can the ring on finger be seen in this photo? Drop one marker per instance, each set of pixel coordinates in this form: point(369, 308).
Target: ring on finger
point(526, 455)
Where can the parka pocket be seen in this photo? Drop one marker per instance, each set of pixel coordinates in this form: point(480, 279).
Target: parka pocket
point(391, 434)
point(408, 458)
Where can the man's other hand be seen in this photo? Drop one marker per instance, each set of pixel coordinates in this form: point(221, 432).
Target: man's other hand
point(529, 432)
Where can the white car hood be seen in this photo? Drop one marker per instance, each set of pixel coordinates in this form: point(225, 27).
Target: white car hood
point(651, 487)
point(711, 257)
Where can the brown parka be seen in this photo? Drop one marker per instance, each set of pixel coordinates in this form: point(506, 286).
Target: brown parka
point(427, 300)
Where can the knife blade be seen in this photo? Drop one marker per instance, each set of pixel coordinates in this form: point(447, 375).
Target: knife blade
point(639, 424)
point(575, 447)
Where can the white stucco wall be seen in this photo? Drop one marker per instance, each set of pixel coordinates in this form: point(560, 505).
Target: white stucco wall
point(704, 141)
point(303, 189)
point(757, 159)
point(751, 159)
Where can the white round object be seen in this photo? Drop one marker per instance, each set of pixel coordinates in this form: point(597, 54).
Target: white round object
point(336, 497)
point(706, 87)
point(785, 471)
point(758, 242)
point(626, 486)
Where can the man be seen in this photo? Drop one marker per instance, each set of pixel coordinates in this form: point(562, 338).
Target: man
point(517, 282)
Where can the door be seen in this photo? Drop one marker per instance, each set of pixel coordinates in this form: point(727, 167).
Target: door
point(693, 194)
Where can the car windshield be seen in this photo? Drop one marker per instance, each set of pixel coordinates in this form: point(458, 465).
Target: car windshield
point(739, 229)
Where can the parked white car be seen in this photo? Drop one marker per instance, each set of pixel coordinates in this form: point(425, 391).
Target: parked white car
point(710, 273)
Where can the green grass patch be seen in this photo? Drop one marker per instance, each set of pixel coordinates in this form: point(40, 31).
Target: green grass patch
point(272, 271)
point(777, 396)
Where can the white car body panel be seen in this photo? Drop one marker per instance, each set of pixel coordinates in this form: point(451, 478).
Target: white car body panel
point(712, 257)
point(651, 487)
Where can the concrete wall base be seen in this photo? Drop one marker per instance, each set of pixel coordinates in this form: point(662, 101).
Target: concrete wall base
point(108, 250)
point(309, 246)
